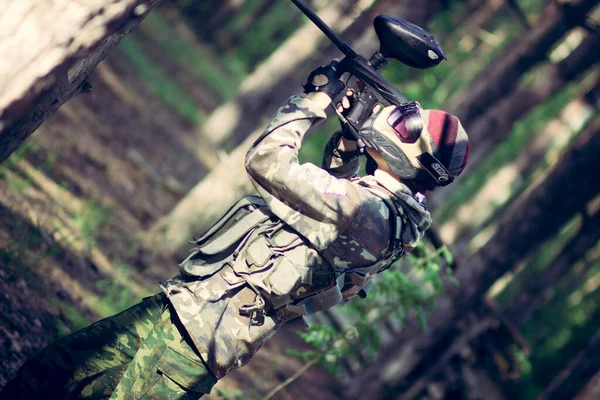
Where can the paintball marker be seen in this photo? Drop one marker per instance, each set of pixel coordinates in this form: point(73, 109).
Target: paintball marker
point(399, 39)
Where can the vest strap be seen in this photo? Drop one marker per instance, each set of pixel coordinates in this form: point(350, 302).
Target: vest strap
point(320, 301)
point(236, 232)
point(244, 202)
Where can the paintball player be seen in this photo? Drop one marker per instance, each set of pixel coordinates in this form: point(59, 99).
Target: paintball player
point(314, 238)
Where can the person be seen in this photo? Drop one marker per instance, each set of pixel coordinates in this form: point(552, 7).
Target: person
point(313, 238)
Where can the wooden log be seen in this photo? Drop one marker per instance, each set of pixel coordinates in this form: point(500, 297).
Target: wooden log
point(48, 50)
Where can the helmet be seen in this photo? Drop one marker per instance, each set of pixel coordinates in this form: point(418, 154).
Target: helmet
point(429, 146)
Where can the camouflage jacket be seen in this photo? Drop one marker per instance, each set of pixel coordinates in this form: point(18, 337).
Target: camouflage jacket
point(315, 233)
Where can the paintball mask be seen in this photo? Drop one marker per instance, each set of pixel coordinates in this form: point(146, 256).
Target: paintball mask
point(416, 144)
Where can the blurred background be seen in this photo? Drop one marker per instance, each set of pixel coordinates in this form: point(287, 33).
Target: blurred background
point(501, 302)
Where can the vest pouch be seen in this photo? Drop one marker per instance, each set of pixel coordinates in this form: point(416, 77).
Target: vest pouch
point(229, 275)
point(284, 277)
point(284, 239)
point(228, 237)
point(258, 254)
point(199, 267)
point(290, 271)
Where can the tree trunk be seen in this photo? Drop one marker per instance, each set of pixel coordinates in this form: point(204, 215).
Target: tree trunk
point(534, 291)
point(581, 368)
point(518, 58)
point(205, 17)
point(561, 194)
point(49, 49)
point(491, 128)
point(478, 212)
point(591, 391)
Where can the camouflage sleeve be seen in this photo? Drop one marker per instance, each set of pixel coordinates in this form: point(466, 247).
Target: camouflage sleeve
point(342, 165)
point(308, 198)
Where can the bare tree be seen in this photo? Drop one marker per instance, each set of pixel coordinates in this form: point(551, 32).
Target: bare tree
point(48, 50)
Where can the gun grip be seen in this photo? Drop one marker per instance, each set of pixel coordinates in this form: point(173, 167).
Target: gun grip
point(362, 109)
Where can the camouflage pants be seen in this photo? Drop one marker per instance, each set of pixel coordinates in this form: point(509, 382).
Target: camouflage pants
point(136, 354)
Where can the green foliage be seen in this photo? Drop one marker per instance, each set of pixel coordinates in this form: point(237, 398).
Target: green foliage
point(232, 25)
point(236, 394)
point(566, 318)
point(13, 179)
point(73, 318)
point(116, 297)
point(560, 328)
point(408, 289)
point(267, 33)
point(314, 143)
point(159, 84)
point(91, 218)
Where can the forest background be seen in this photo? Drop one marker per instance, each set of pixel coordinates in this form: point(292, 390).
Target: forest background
point(501, 302)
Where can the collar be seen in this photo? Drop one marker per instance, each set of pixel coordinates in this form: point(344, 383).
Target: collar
point(392, 184)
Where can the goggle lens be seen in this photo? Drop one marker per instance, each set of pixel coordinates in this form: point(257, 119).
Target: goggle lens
point(406, 122)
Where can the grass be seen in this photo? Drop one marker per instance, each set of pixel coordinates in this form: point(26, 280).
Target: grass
point(13, 180)
point(74, 318)
point(116, 297)
point(90, 219)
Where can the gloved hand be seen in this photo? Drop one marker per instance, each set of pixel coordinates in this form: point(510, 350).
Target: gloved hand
point(325, 79)
point(344, 107)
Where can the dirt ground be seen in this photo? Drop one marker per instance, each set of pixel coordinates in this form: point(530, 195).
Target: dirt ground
point(74, 205)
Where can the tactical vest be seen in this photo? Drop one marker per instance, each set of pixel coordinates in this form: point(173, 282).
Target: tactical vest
point(271, 258)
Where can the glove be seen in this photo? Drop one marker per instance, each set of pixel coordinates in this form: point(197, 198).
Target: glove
point(343, 108)
point(325, 79)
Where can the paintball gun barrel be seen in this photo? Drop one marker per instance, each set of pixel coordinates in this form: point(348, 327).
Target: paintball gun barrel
point(400, 40)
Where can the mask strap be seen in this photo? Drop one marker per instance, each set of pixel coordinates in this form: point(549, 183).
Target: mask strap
point(435, 168)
